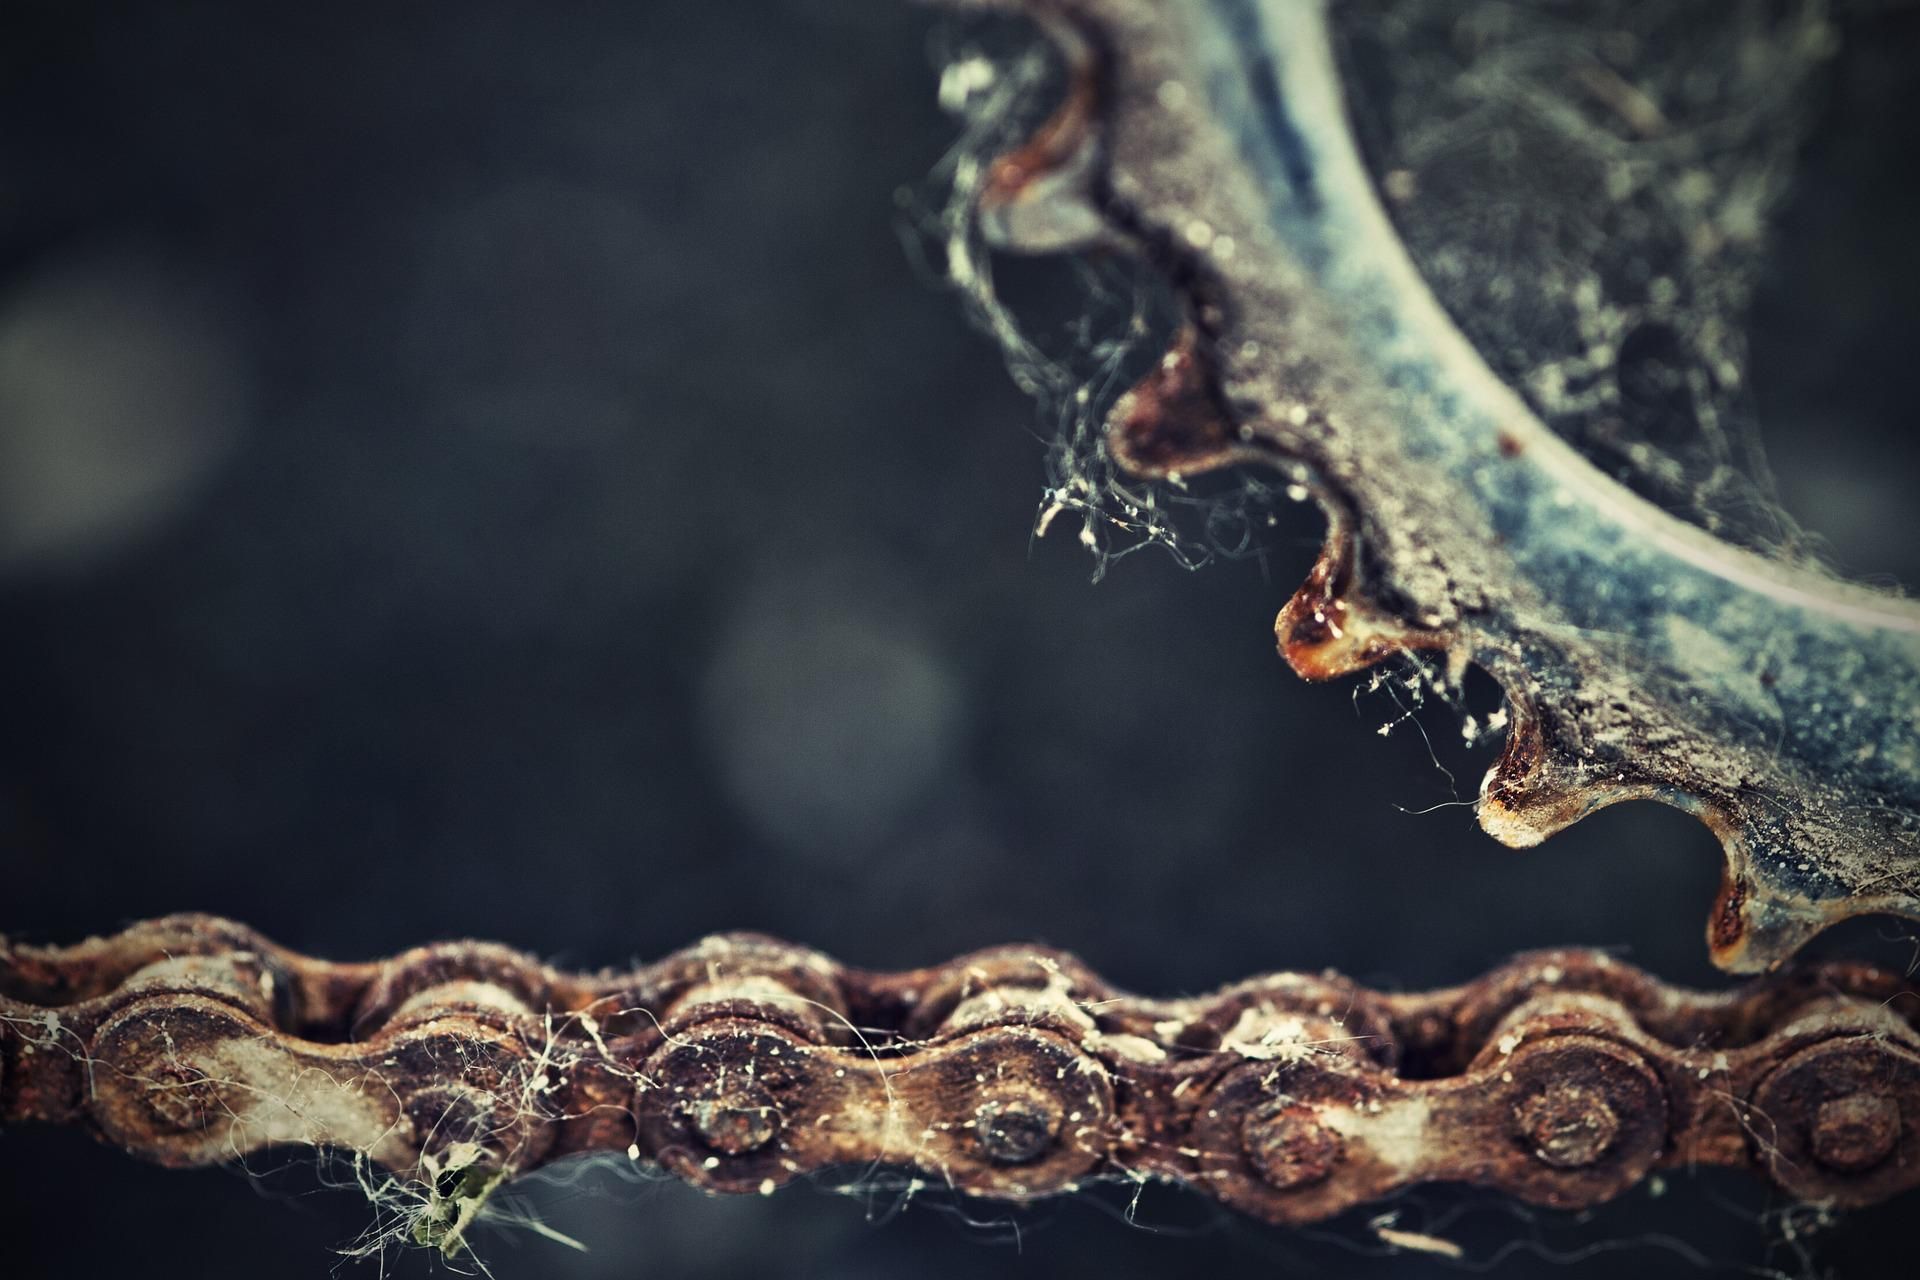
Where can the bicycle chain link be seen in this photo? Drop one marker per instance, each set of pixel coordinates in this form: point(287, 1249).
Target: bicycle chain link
point(1562, 1078)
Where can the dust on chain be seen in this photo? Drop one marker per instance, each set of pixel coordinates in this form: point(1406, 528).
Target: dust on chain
point(1562, 1078)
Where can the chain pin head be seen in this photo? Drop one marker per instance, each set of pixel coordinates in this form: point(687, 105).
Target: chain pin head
point(734, 1119)
point(1015, 1130)
point(1856, 1131)
point(1569, 1126)
point(1292, 1148)
point(181, 1098)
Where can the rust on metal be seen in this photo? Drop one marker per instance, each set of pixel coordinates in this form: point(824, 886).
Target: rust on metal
point(1562, 1078)
point(1038, 196)
point(1171, 424)
point(1218, 150)
point(1328, 628)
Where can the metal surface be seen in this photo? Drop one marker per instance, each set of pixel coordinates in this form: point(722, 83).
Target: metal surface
point(1563, 1078)
point(1640, 657)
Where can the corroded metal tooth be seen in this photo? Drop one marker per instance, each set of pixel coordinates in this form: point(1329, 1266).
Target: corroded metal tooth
point(1525, 797)
point(1039, 197)
point(1773, 899)
point(1329, 628)
point(1171, 424)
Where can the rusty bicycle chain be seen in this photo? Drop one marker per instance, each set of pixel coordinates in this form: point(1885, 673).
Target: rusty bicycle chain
point(1562, 1078)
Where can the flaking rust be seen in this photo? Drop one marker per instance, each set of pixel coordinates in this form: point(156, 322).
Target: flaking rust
point(1563, 1078)
point(1640, 657)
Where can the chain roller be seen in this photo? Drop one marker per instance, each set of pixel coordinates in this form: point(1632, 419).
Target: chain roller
point(1562, 1078)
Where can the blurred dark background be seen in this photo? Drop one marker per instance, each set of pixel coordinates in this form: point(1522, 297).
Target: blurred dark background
point(492, 470)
